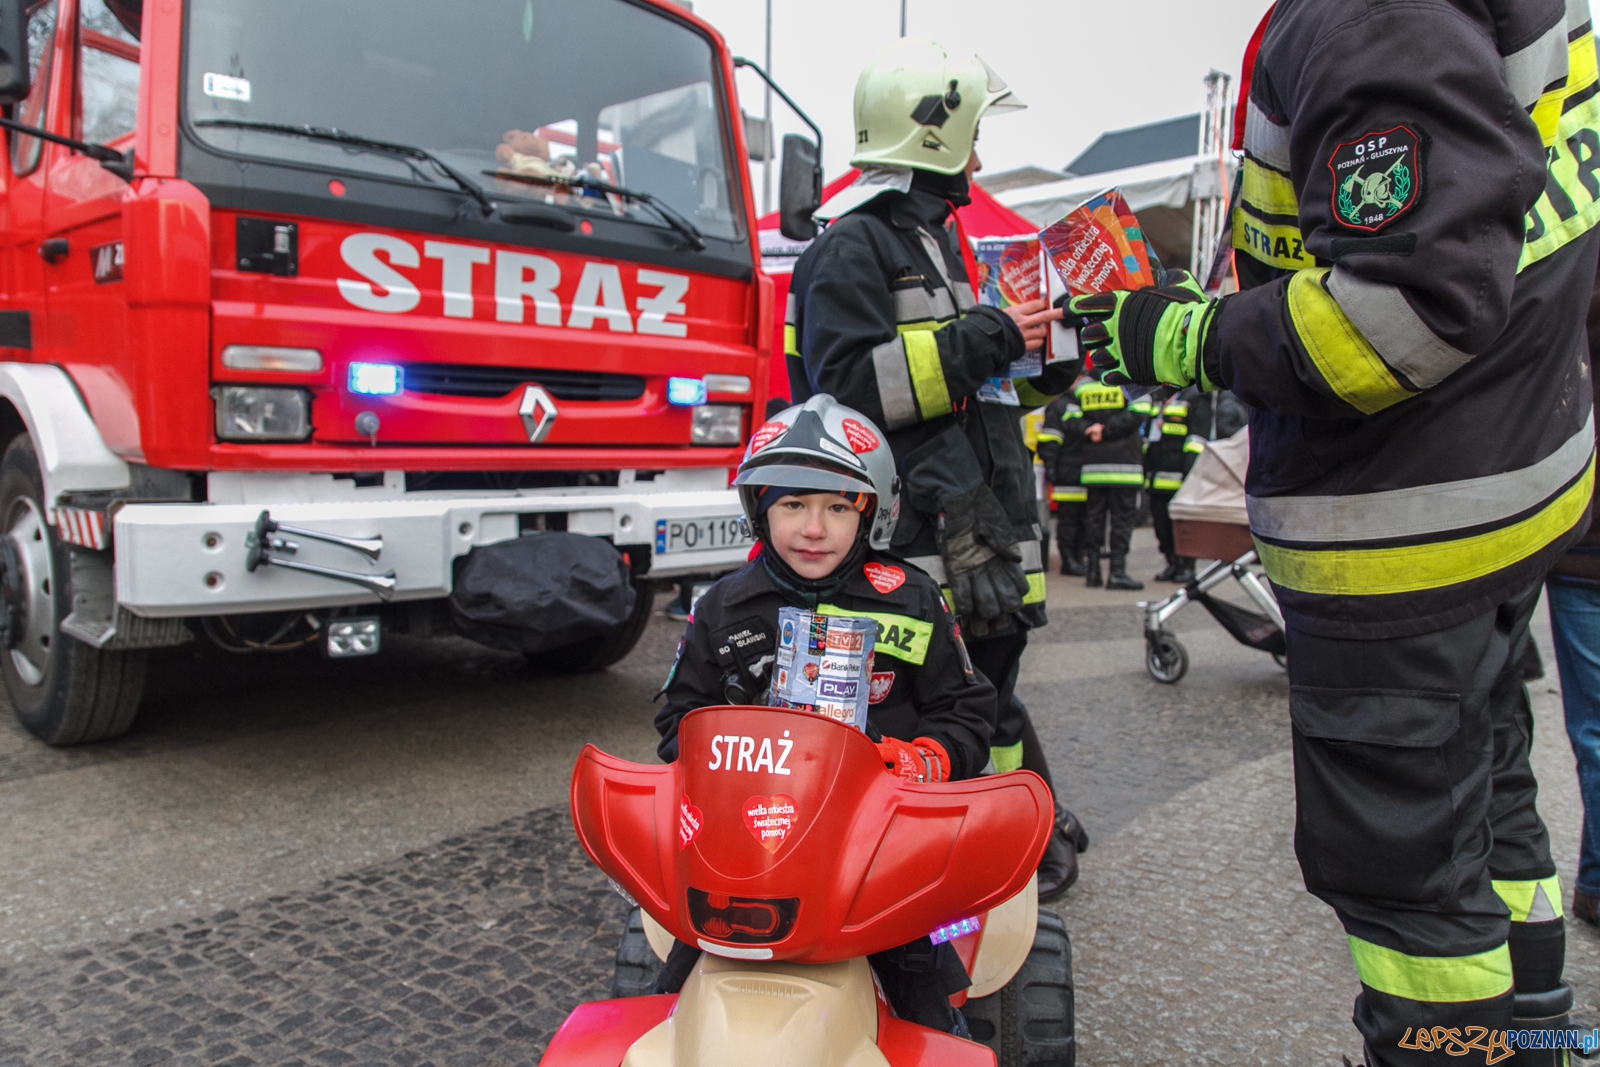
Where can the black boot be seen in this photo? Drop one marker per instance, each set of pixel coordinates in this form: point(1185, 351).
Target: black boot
point(1058, 868)
point(1072, 565)
point(1118, 578)
point(1542, 1011)
point(1091, 568)
point(1165, 574)
point(1183, 570)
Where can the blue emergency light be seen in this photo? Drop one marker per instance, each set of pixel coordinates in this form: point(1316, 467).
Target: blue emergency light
point(376, 379)
point(686, 392)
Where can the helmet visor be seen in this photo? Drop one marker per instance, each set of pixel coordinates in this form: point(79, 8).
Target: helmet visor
point(804, 479)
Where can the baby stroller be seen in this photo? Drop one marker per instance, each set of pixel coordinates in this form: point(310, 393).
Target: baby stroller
point(1209, 522)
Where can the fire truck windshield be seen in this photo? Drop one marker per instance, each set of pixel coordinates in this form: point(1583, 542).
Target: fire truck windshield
point(544, 100)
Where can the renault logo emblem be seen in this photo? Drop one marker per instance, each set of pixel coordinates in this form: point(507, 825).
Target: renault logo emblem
point(538, 413)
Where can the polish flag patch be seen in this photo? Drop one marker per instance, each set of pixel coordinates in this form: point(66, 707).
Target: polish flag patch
point(884, 579)
point(767, 433)
point(861, 439)
point(878, 689)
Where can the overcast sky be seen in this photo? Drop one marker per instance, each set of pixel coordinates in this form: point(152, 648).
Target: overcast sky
point(1083, 66)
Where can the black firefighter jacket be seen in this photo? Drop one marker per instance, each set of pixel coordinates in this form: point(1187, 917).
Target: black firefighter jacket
point(882, 317)
point(1415, 240)
point(922, 685)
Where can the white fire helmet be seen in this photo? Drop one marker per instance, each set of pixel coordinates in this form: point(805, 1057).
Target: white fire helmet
point(918, 106)
point(822, 446)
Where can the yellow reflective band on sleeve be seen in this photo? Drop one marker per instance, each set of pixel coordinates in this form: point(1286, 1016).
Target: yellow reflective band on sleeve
point(1050, 435)
point(1035, 593)
point(1433, 979)
point(1581, 74)
point(1194, 444)
point(899, 636)
point(1174, 429)
point(1168, 482)
point(1533, 901)
point(1351, 367)
point(1412, 568)
point(1069, 496)
point(1030, 397)
point(1267, 191)
point(1275, 244)
point(790, 346)
point(927, 374)
point(1008, 758)
point(1570, 205)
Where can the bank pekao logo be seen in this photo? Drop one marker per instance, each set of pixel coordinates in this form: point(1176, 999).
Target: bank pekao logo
point(1376, 178)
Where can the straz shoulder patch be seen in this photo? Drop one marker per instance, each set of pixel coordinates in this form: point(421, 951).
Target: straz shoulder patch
point(1376, 178)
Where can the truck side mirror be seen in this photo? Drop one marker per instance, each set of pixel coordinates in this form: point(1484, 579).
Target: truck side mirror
point(799, 188)
point(13, 51)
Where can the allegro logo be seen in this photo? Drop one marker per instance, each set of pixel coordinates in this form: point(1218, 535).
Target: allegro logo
point(519, 279)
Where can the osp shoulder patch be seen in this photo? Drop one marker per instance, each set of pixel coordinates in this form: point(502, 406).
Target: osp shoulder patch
point(1376, 178)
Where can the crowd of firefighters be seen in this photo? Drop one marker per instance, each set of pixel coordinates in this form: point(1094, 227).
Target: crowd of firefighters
point(1414, 244)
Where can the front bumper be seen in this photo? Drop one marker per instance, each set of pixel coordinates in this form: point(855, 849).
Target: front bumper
point(175, 560)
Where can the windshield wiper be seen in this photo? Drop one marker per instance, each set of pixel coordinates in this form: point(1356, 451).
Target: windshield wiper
point(668, 214)
point(329, 133)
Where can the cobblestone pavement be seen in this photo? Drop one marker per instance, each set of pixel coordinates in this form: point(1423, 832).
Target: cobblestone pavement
point(471, 952)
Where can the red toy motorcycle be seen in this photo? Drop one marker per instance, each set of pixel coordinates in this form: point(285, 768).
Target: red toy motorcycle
point(779, 846)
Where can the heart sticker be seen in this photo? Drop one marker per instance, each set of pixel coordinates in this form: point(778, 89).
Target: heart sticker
point(769, 820)
point(884, 579)
point(689, 822)
point(766, 434)
point(861, 439)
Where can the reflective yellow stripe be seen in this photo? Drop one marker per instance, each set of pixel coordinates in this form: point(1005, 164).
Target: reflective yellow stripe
point(1035, 593)
point(1008, 758)
point(1168, 482)
point(1194, 446)
point(1276, 245)
point(1433, 979)
point(1135, 480)
point(1175, 429)
point(927, 374)
point(1520, 897)
point(1352, 367)
point(1101, 398)
point(1050, 435)
point(899, 636)
point(1581, 74)
point(1069, 496)
point(1029, 396)
point(1574, 210)
point(1268, 191)
point(790, 346)
point(1376, 571)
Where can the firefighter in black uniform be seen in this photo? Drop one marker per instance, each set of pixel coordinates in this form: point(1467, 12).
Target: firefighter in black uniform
point(1107, 431)
point(1177, 436)
point(929, 711)
point(1062, 456)
point(1415, 242)
point(882, 315)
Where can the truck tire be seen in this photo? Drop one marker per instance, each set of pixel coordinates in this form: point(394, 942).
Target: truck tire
point(1029, 1022)
point(63, 691)
point(598, 653)
point(637, 965)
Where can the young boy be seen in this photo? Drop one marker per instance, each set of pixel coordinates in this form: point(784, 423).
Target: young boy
point(819, 490)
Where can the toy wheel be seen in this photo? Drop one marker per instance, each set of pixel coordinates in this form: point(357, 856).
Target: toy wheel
point(1165, 658)
point(637, 965)
point(1029, 1022)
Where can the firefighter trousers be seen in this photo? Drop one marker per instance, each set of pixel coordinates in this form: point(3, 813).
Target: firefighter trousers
point(1119, 503)
point(1162, 520)
point(1071, 527)
point(1416, 821)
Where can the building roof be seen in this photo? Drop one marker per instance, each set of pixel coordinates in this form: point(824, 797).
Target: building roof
point(1117, 149)
point(1017, 178)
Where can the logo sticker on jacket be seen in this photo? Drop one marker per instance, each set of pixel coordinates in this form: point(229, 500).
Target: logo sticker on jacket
point(861, 439)
point(1376, 178)
point(878, 688)
point(689, 822)
point(884, 579)
point(770, 820)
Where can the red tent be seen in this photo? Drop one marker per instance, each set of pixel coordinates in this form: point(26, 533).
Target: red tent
point(984, 217)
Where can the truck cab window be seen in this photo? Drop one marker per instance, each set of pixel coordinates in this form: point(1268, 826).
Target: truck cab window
point(108, 72)
point(27, 151)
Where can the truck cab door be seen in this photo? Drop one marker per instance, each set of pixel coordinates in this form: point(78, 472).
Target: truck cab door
point(23, 305)
point(86, 312)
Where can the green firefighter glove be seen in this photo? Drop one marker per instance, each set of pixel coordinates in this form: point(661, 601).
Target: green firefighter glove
point(982, 562)
point(1147, 336)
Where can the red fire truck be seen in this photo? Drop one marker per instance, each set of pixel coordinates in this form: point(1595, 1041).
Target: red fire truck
point(305, 301)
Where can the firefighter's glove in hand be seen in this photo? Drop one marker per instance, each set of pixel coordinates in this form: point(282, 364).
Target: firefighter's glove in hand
point(1146, 336)
point(981, 560)
point(923, 760)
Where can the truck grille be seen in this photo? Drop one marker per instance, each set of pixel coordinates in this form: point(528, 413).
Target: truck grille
point(454, 379)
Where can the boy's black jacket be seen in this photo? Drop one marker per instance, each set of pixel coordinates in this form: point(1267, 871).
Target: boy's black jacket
point(925, 682)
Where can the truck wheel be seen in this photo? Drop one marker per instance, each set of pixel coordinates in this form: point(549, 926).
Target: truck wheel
point(62, 690)
point(637, 965)
point(1029, 1022)
point(598, 653)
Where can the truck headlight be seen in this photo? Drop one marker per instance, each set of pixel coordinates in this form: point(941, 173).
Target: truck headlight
point(716, 424)
point(259, 413)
